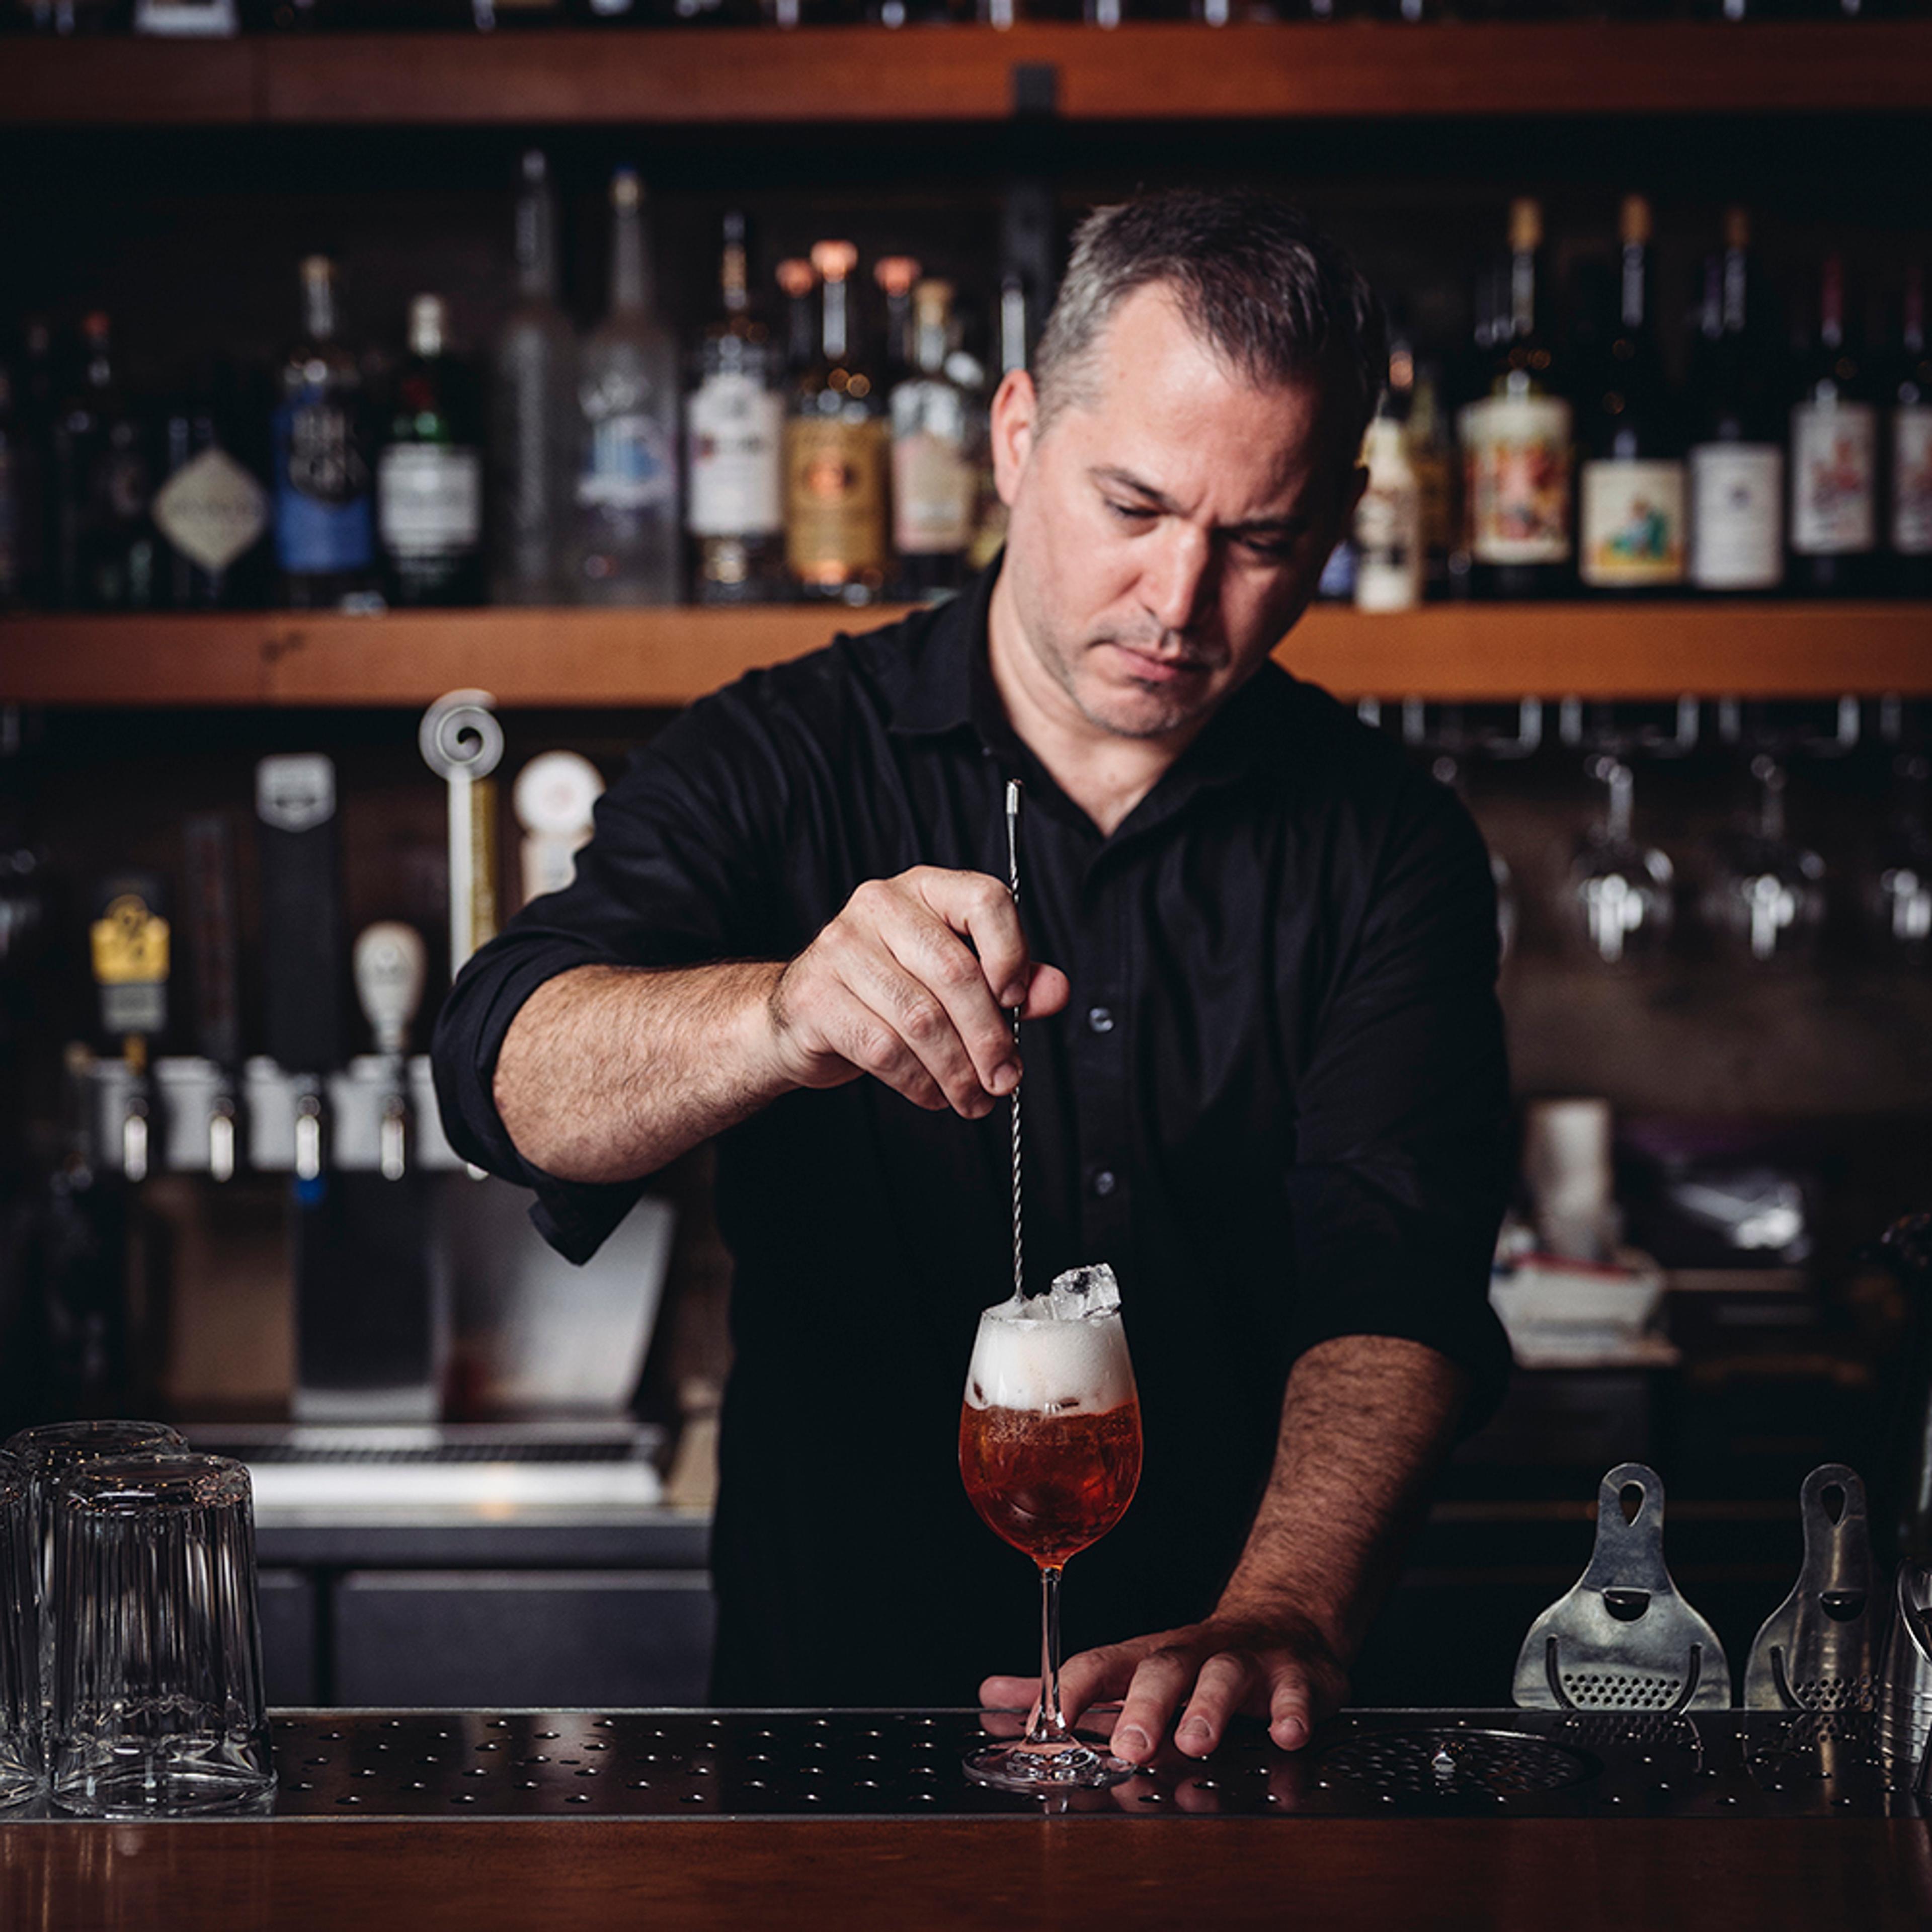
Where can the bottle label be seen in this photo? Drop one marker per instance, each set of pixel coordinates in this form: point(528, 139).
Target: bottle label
point(1388, 526)
point(1517, 453)
point(212, 510)
point(630, 464)
point(835, 498)
point(1912, 479)
point(1737, 516)
point(429, 499)
point(736, 431)
point(1833, 479)
point(323, 520)
point(1632, 524)
point(934, 490)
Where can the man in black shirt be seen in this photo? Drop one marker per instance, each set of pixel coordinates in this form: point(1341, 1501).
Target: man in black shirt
point(1264, 1076)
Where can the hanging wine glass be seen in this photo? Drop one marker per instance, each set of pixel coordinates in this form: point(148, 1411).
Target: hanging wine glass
point(1901, 891)
point(1766, 900)
point(1621, 897)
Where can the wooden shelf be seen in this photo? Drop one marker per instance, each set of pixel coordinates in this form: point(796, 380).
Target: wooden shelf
point(665, 658)
point(860, 74)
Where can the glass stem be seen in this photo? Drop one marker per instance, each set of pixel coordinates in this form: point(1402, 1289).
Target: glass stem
point(1049, 1727)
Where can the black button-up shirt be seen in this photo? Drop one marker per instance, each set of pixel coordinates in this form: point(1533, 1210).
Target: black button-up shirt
point(1275, 1104)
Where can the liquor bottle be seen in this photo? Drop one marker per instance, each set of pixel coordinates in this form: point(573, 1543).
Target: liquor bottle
point(934, 480)
point(1630, 493)
point(532, 413)
point(628, 530)
point(1430, 456)
point(1833, 527)
point(324, 521)
point(104, 550)
point(211, 512)
point(734, 429)
point(1388, 520)
point(1909, 498)
point(836, 453)
point(1736, 461)
point(429, 481)
point(1516, 441)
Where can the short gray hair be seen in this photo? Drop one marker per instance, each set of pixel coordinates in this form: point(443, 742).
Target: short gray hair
point(1256, 279)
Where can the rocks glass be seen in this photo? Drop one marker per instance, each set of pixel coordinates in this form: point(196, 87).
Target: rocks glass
point(158, 1708)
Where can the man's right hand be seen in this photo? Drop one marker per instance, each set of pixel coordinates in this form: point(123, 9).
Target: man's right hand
point(892, 987)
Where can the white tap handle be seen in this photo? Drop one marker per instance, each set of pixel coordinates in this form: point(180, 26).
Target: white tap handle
point(390, 966)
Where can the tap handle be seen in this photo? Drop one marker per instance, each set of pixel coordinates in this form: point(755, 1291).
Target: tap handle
point(390, 965)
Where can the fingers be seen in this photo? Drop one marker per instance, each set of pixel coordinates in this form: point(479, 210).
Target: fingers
point(892, 987)
point(1157, 1687)
point(1291, 1711)
point(1009, 1693)
point(1224, 1682)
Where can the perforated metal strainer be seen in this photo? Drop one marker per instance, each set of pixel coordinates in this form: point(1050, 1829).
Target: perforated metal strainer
point(1622, 1639)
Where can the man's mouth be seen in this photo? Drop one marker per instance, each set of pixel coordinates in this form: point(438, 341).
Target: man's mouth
point(1150, 667)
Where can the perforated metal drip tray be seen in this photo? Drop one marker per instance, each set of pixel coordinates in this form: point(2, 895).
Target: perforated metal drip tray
point(688, 1764)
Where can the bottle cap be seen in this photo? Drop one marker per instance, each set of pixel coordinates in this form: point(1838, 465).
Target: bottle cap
point(1737, 228)
point(429, 325)
point(1634, 225)
point(626, 190)
point(795, 277)
point(834, 260)
point(895, 274)
point(1526, 225)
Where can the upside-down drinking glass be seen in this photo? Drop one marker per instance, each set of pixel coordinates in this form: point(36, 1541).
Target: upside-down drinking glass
point(20, 1759)
point(158, 1706)
point(1050, 1453)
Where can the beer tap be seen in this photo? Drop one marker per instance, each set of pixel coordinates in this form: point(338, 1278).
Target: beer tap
point(554, 796)
point(390, 965)
point(129, 943)
point(294, 805)
point(208, 849)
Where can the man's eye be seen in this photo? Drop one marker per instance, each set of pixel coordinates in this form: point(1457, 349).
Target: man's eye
point(1131, 513)
point(1270, 550)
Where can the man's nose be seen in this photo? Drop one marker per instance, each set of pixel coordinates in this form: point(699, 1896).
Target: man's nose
point(1175, 581)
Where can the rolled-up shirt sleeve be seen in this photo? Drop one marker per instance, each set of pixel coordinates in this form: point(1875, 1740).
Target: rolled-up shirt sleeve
point(675, 874)
point(1401, 1168)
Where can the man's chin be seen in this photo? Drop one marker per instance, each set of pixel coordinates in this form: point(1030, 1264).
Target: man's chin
point(1139, 714)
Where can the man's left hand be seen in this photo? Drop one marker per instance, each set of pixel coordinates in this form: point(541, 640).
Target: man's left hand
point(1280, 1668)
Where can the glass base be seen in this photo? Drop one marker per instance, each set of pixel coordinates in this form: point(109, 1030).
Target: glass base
point(1075, 1766)
point(169, 1783)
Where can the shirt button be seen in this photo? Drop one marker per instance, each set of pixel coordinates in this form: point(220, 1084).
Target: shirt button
point(1105, 1182)
point(1100, 1018)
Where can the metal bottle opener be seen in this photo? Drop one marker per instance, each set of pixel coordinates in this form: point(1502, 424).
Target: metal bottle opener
point(1622, 1639)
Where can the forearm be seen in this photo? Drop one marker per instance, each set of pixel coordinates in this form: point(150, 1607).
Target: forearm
point(1365, 1424)
point(607, 1072)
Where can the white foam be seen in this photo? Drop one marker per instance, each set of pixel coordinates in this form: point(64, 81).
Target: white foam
point(1064, 1350)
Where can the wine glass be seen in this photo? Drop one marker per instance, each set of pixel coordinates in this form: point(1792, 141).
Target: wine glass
point(1767, 896)
point(1050, 1453)
point(1620, 892)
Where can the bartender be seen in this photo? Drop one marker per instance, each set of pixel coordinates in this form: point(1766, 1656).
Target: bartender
point(1262, 1058)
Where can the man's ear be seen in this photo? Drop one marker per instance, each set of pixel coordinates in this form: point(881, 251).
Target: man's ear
point(1015, 416)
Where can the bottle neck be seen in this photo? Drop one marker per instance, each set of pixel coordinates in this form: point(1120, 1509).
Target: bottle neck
point(732, 281)
point(1633, 287)
point(319, 307)
point(536, 245)
point(930, 335)
point(1831, 306)
point(834, 338)
point(1013, 325)
point(1737, 283)
point(630, 271)
point(1913, 328)
point(1522, 294)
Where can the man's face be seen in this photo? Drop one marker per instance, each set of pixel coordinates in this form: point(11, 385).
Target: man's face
point(1167, 527)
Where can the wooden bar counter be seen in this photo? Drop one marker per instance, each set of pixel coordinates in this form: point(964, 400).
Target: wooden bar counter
point(448, 1822)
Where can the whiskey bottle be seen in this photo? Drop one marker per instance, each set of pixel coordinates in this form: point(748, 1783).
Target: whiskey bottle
point(1516, 439)
point(324, 521)
point(104, 538)
point(211, 512)
point(1631, 483)
point(1389, 551)
point(429, 481)
point(734, 428)
point(627, 392)
point(836, 453)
